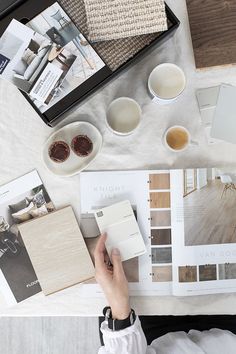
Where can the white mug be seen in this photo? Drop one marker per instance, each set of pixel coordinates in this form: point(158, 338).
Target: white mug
point(123, 116)
point(166, 83)
point(177, 139)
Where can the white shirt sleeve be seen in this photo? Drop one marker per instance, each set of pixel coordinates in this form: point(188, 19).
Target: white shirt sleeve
point(130, 340)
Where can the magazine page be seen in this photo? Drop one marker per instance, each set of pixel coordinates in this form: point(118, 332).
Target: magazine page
point(149, 194)
point(48, 58)
point(204, 231)
point(20, 200)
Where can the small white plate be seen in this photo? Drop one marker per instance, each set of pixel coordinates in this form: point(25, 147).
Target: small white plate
point(74, 164)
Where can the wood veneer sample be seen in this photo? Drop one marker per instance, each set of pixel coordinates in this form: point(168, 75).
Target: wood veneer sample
point(187, 274)
point(213, 27)
point(207, 272)
point(162, 274)
point(159, 181)
point(159, 200)
point(160, 218)
point(162, 255)
point(57, 250)
point(227, 271)
point(161, 236)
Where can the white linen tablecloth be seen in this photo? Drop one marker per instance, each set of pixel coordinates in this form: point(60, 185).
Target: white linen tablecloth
point(22, 135)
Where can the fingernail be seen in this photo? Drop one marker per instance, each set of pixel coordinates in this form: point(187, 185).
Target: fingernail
point(116, 252)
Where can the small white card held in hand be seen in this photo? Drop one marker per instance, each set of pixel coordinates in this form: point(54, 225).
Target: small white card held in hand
point(119, 223)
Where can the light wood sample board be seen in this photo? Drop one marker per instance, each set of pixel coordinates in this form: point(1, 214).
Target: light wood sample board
point(213, 28)
point(57, 250)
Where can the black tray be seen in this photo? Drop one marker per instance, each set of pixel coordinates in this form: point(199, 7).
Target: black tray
point(10, 9)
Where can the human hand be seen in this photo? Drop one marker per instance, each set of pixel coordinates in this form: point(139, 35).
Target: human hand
point(112, 279)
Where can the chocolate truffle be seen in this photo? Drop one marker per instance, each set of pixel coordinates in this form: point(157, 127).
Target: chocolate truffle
point(81, 145)
point(59, 151)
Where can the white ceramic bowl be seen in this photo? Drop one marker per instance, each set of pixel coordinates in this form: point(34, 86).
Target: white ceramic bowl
point(74, 164)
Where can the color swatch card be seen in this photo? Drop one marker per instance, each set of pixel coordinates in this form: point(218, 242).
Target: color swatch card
point(57, 250)
point(119, 223)
point(224, 122)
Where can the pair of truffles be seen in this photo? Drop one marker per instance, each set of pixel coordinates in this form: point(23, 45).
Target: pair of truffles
point(59, 151)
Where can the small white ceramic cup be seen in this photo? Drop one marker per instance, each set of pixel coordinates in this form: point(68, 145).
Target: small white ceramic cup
point(123, 116)
point(176, 129)
point(166, 83)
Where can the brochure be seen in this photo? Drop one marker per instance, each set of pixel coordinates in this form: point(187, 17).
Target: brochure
point(47, 58)
point(187, 220)
point(20, 200)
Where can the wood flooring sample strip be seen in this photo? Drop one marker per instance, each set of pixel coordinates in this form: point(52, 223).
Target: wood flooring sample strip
point(57, 250)
point(213, 27)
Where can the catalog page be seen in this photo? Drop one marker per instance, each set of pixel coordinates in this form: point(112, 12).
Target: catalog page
point(149, 194)
point(187, 220)
point(20, 200)
point(48, 58)
point(204, 231)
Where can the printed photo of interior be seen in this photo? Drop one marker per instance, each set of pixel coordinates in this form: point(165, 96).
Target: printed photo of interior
point(55, 25)
point(209, 206)
point(15, 263)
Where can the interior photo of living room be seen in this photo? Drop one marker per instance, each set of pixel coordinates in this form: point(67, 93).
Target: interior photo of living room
point(209, 206)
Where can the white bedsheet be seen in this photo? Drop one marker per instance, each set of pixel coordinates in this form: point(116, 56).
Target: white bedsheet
point(22, 135)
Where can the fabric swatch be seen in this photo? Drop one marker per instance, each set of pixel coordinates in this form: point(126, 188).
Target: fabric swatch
point(114, 19)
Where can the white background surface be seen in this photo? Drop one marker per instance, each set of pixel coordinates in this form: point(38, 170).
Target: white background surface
point(22, 135)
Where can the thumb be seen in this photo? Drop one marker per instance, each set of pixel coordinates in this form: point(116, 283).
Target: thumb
point(118, 270)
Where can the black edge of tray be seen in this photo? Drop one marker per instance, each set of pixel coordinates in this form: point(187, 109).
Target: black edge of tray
point(9, 6)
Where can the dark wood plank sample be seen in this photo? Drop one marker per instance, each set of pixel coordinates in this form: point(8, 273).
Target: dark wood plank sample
point(213, 28)
point(207, 272)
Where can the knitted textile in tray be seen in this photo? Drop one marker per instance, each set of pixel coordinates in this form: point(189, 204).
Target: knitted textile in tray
point(115, 52)
point(115, 19)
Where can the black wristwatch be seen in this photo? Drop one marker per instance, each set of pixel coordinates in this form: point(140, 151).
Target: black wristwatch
point(117, 325)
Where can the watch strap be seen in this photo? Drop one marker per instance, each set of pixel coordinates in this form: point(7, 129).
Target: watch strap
point(117, 325)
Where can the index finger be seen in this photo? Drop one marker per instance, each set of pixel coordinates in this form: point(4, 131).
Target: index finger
point(99, 252)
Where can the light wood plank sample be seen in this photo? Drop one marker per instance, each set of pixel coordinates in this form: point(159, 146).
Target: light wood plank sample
point(159, 181)
point(160, 200)
point(160, 218)
point(162, 274)
point(57, 250)
point(213, 26)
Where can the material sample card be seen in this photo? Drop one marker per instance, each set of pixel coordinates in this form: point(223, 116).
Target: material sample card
point(57, 250)
point(119, 222)
point(224, 122)
point(213, 25)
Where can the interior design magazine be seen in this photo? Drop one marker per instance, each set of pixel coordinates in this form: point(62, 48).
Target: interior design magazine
point(48, 57)
point(20, 200)
point(187, 220)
